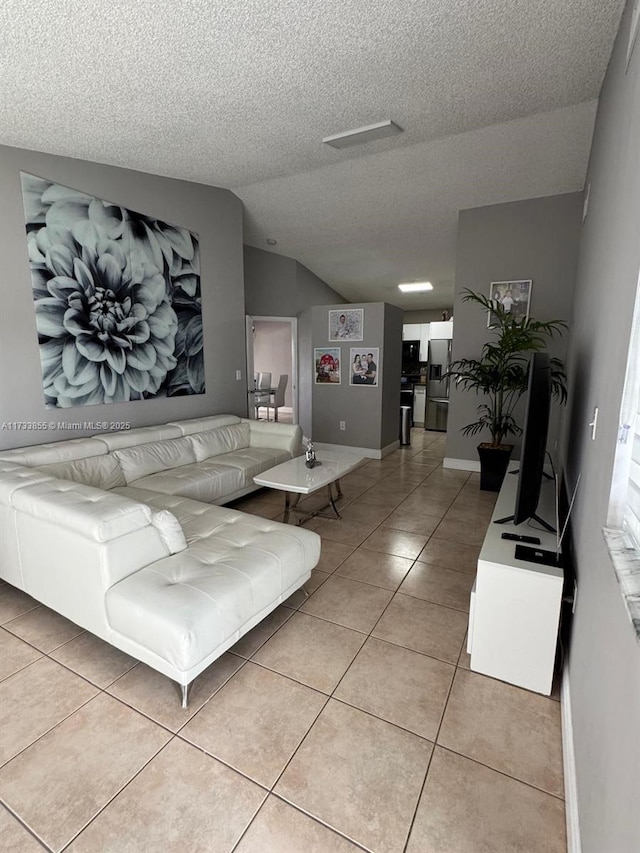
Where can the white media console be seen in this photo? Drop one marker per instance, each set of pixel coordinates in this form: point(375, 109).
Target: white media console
point(515, 604)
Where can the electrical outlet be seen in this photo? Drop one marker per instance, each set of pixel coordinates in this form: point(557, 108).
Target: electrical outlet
point(238, 375)
point(343, 425)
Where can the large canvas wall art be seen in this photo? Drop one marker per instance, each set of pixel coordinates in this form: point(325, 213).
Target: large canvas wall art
point(117, 299)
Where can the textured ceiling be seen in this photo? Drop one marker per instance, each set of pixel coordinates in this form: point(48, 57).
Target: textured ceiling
point(493, 96)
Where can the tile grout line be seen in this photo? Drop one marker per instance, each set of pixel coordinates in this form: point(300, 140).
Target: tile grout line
point(26, 826)
point(117, 794)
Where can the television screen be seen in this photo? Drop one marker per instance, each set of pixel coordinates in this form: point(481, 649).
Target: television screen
point(534, 440)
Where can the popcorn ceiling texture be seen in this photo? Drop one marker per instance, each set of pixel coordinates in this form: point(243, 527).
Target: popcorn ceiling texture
point(238, 93)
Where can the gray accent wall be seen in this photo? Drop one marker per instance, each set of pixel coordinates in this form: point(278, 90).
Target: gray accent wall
point(371, 414)
point(533, 239)
point(215, 214)
point(604, 654)
point(278, 286)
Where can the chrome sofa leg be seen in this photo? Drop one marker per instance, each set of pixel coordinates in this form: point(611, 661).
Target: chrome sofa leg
point(185, 695)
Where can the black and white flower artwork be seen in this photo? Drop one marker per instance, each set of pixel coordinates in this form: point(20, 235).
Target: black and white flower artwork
point(117, 299)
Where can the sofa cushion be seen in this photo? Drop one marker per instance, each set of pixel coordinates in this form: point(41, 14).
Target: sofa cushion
point(57, 451)
point(193, 425)
point(103, 472)
point(205, 481)
point(236, 565)
point(140, 435)
point(170, 530)
point(253, 460)
point(224, 439)
point(145, 459)
point(13, 476)
point(275, 435)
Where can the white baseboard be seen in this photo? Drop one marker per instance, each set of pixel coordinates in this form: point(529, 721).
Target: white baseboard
point(569, 762)
point(368, 452)
point(461, 464)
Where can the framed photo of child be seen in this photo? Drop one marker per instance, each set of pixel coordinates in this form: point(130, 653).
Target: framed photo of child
point(346, 324)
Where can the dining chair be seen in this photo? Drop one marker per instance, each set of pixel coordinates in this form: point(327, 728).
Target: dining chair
point(278, 399)
point(263, 384)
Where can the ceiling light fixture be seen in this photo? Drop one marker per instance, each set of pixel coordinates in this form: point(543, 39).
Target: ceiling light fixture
point(415, 286)
point(363, 134)
point(271, 242)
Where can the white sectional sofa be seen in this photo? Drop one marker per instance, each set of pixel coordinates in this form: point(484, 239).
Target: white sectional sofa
point(123, 534)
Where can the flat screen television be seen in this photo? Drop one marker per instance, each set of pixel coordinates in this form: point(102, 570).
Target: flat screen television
point(534, 442)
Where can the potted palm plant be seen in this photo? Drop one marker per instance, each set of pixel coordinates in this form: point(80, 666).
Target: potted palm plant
point(501, 374)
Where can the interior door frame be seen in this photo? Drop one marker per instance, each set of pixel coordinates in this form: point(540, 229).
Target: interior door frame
point(293, 323)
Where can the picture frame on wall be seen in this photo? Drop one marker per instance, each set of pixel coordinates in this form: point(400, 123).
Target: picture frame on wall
point(327, 365)
point(346, 324)
point(514, 297)
point(364, 366)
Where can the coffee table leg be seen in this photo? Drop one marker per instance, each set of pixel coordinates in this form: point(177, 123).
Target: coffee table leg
point(289, 504)
point(331, 501)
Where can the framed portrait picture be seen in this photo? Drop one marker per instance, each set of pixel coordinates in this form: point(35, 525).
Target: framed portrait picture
point(364, 366)
point(513, 296)
point(327, 365)
point(346, 324)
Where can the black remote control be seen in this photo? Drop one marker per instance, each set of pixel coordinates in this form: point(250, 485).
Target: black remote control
point(517, 537)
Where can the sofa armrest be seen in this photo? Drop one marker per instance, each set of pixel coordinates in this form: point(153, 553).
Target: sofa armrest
point(279, 436)
point(88, 512)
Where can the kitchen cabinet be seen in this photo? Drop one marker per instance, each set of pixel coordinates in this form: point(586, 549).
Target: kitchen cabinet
point(424, 341)
point(441, 329)
point(411, 332)
point(418, 332)
point(419, 403)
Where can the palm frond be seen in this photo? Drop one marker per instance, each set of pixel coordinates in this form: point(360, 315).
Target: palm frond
point(501, 373)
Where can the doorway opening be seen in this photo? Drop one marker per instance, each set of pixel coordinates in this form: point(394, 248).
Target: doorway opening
point(272, 348)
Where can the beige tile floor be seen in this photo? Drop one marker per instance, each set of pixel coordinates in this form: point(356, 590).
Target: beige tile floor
point(345, 721)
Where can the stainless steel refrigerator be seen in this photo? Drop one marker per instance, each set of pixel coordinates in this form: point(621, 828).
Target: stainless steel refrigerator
point(437, 409)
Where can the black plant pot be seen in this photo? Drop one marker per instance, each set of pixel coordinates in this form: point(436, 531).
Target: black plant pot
point(493, 465)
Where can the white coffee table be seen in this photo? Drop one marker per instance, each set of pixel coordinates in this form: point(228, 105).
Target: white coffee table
point(294, 479)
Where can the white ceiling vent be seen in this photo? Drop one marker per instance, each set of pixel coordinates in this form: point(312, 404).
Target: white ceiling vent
point(363, 134)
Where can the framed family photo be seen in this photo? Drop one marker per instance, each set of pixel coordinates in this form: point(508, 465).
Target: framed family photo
point(364, 368)
point(327, 365)
point(513, 296)
point(346, 324)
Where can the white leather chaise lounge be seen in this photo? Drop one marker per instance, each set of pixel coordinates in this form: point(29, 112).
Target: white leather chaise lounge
point(122, 534)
